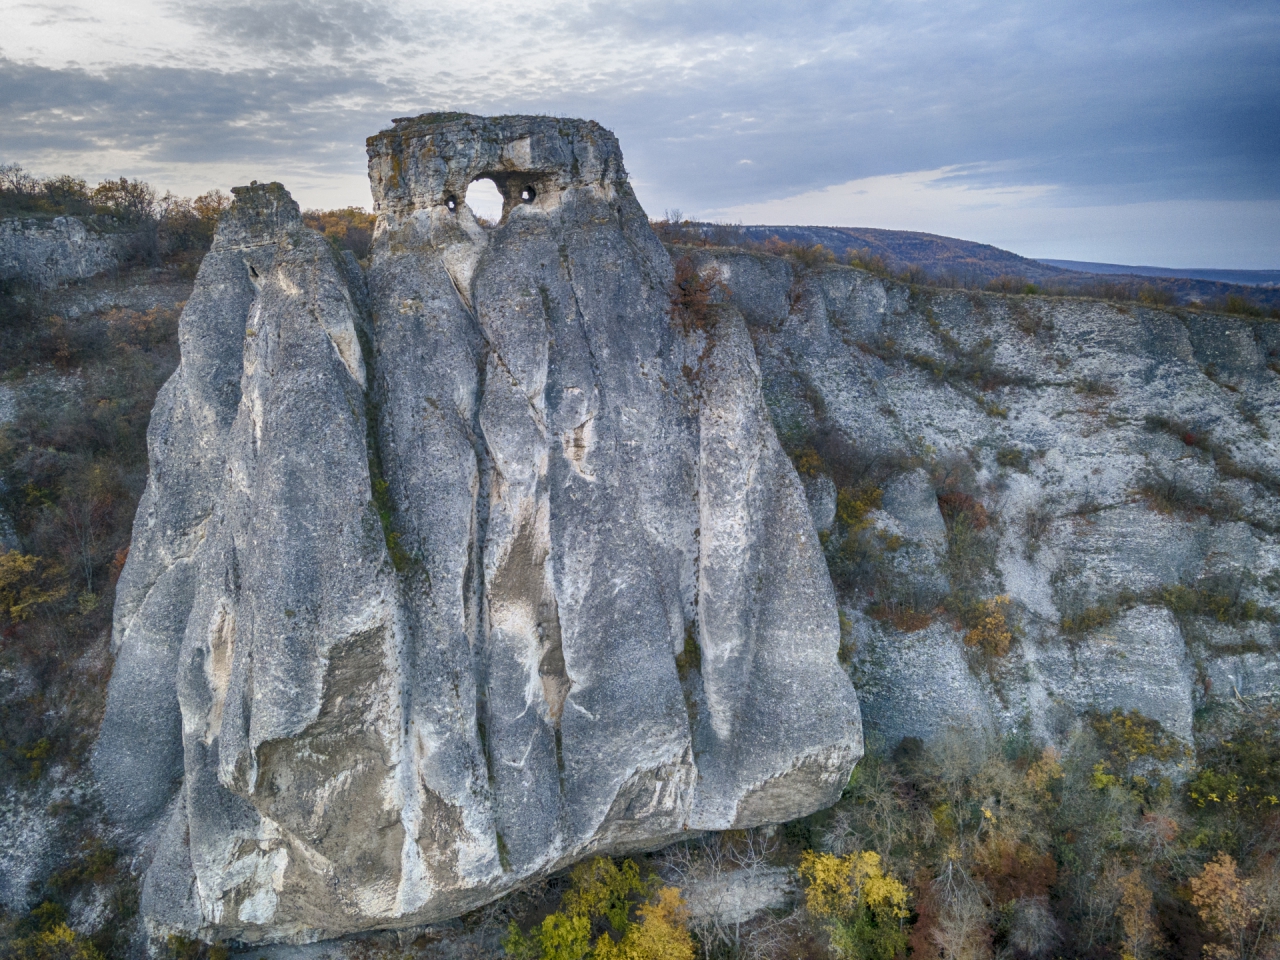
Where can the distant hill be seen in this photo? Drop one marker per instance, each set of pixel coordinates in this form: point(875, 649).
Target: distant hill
point(904, 248)
point(977, 264)
point(1247, 278)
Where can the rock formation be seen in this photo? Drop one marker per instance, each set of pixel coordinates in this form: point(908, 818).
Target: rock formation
point(1121, 459)
point(457, 577)
point(43, 253)
point(493, 556)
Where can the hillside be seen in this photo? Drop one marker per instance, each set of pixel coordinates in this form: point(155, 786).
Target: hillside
point(952, 262)
point(1244, 278)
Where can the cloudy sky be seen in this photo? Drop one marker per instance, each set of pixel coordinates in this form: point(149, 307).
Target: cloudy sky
point(1127, 131)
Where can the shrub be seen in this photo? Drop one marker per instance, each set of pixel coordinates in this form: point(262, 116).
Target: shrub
point(1155, 296)
point(168, 229)
point(1090, 618)
point(186, 227)
point(864, 259)
point(808, 462)
point(990, 631)
point(1229, 908)
point(853, 504)
point(23, 193)
point(27, 584)
point(1137, 917)
point(1014, 458)
point(58, 942)
point(1095, 387)
point(903, 618)
point(1216, 597)
point(1038, 521)
point(857, 552)
point(806, 256)
point(960, 507)
point(661, 933)
point(1128, 738)
point(1006, 283)
point(75, 462)
point(350, 228)
point(693, 292)
point(1240, 774)
point(1172, 493)
point(594, 919)
point(1237, 304)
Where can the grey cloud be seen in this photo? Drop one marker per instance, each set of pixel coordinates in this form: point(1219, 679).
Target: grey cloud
point(1141, 101)
point(315, 119)
point(335, 27)
point(1134, 103)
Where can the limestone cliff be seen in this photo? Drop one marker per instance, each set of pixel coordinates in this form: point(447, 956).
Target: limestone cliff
point(459, 576)
point(45, 252)
point(1112, 470)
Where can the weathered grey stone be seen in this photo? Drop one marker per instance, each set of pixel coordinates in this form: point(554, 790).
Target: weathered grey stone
point(1244, 676)
point(27, 845)
point(737, 896)
point(917, 684)
point(452, 577)
point(910, 499)
point(1139, 662)
point(527, 576)
point(44, 253)
point(820, 492)
point(186, 441)
point(1098, 399)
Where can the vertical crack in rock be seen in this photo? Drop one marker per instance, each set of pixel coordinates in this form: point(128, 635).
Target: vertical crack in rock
point(222, 645)
point(449, 583)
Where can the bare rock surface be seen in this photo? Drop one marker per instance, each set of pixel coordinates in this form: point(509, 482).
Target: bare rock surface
point(453, 578)
point(1121, 461)
point(44, 253)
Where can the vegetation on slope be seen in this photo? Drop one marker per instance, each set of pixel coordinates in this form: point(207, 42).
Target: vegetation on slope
point(974, 849)
point(943, 262)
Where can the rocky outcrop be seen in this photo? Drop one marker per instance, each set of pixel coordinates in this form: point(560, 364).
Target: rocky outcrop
point(44, 253)
point(454, 579)
point(1110, 469)
point(496, 557)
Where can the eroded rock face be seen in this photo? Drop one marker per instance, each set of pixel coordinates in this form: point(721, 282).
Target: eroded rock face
point(457, 579)
point(1125, 458)
point(44, 253)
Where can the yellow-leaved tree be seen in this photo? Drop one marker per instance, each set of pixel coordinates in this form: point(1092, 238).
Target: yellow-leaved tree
point(661, 933)
point(863, 910)
point(1231, 909)
point(26, 584)
point(598, 907)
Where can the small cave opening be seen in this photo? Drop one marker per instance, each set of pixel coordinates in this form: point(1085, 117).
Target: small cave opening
point(485, 200)
point(527, 193)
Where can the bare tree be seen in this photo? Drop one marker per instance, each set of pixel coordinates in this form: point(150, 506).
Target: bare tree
point(716, 871)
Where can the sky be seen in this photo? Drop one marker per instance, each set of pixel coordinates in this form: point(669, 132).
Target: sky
point(1124, 131)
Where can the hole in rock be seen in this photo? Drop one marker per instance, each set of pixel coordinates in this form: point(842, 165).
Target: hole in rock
point(485, 200)
point(451, 203)
point(527, 193)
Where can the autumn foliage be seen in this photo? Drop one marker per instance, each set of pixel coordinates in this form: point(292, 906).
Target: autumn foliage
point(610, 912)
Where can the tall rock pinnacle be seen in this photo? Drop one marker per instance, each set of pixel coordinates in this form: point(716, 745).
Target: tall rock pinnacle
point(456, 579)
